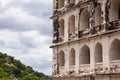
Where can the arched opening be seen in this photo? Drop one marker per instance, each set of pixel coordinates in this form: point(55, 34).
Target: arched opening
point(85, 55)
point(61, 58)
point(61, 27)
point(115, 50)
point(114, 10)
point(98, 15)
point(72, 25)
point(61, 3)
point(84, 20)
point(72, 57)
point(98, 53)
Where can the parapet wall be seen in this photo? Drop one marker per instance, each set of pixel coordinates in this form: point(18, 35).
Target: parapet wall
point(91, 77)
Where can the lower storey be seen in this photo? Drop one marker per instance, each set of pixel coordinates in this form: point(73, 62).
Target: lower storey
point(95, 77)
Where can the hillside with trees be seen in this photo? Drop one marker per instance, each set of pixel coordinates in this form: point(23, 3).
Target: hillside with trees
point(12, 69)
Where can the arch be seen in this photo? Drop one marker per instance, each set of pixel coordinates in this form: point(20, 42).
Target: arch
point(114, 13)
point(61, 28)
point(61, 3)
point(72, 24)
point(98, 53)
point(98, 15)
point(61, 58)
point(84, 20)
point(115, 50)
point(85, 55)
point(72, 57)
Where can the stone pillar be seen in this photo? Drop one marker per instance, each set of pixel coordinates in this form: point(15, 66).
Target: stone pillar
point(76, 1)
point(103, 11)
point(67, 58)
point(77, 50)
point(105, 15)
point(55, 31)
point(92, 61)
point(55, 61)
point(105, 42)
point(66, 28)
point(92, 15)
point(77, 23)
point(66, 2)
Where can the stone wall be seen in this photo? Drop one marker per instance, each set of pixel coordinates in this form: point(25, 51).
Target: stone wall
point(100, 48)
point(95, 77)
point(86, 38)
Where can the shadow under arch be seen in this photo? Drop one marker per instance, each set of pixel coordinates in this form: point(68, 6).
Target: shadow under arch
point(72, 57)
point(85, 55)
point(61, 58)
point(114, 51)
point(98, 53)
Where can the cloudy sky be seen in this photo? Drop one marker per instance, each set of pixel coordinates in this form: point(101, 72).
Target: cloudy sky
point(25, 32)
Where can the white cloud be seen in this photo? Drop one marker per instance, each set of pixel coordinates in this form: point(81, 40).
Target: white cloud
point(26, 1)
point(3, 3)
point(21, 16)
point(25, 32)
point(20, 20)
point(43, 1)
point(30, 56)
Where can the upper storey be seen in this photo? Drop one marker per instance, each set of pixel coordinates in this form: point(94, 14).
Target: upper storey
point(59, 5)
point(78, 19)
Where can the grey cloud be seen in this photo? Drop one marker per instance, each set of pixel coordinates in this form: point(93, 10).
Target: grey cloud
point(35, 8)
point(16, 46)
point(12, 24)
point(2, 42)
point(28, 42)
point(39, 66)
point(46, 64)
point(38, 10)
point(25, 44)
point(43, 65)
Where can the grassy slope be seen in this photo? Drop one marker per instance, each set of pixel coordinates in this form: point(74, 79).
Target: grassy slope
point(11, 68)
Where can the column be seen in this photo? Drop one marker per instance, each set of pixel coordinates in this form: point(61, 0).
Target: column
point(77, 49)
point(105, 43)
point(67, 58)
point(92, 61)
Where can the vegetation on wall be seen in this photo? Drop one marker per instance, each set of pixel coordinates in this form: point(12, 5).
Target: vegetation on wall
point(12, 69)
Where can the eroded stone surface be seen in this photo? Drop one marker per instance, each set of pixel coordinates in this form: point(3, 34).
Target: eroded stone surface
point(86, 39)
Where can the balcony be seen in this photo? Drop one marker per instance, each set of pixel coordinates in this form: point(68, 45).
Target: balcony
point(113, 25)
point(71, 36)
point(86, 0)
point(72, 68)
point(61, 38)
point(115, 66)
point(58, 39)
point(115, 62)
point(85, 68)
point(83, 33)
point(98, 67)
point(96, 29)
point(71, 5)
point(61, 69)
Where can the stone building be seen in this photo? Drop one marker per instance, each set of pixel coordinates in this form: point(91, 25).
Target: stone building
point(86, 39)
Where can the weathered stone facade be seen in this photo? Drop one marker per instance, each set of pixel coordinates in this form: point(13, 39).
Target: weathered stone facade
point(86, 39)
